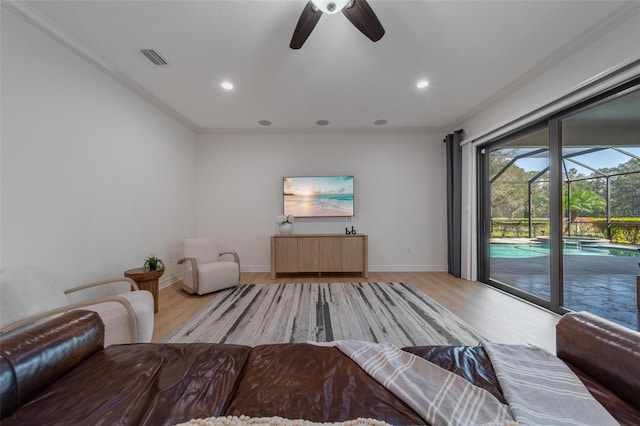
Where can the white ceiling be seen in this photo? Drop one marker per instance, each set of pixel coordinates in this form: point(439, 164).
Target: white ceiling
point(470, 51)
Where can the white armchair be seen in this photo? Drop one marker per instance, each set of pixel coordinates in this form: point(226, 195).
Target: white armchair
point(31, 294)
point(204, 271)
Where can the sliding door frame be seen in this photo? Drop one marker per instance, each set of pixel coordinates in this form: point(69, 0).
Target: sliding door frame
point(555, 215)
point(484, 215)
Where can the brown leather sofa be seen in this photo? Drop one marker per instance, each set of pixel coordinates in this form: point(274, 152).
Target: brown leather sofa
point(59, 373)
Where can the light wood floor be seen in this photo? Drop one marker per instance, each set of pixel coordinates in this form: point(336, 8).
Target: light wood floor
point(496, 315)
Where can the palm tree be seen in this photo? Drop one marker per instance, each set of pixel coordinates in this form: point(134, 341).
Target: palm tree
point(583, 201)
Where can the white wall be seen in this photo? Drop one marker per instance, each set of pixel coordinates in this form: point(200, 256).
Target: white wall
point(616, 47)
point(581, 74)
point(94, 178)
point(399, 192)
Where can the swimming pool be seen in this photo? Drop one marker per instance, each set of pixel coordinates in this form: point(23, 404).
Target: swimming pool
point(519, 251)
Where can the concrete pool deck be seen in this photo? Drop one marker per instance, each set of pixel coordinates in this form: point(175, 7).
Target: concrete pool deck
point(603, 285)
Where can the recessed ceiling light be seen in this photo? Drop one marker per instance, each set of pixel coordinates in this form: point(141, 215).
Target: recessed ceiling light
point(322, 122)
point(264, 123)
point(422, 84)
point(380, 122)
point(227, 85)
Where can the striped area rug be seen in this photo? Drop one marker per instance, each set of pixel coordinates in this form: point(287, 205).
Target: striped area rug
point(255, 314)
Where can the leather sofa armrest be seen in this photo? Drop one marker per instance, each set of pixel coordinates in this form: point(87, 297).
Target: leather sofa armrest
point(603, 350)
point(35, 358)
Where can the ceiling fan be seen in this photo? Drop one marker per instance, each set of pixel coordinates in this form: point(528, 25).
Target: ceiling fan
point(358, 12)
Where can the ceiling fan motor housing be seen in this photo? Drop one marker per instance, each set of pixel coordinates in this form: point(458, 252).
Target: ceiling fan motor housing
point(331, 6)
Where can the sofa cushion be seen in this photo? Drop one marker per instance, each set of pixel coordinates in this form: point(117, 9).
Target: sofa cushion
point(469, 362)
point(216, 276)
point(141, 384)
point(316, 383)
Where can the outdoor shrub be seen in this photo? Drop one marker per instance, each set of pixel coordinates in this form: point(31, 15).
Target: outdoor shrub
point(630, 232)
point(623, 229)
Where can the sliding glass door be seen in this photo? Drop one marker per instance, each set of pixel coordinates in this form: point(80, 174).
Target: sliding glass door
point(559, 209)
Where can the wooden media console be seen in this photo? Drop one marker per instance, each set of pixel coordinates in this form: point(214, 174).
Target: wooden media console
point(319, 253)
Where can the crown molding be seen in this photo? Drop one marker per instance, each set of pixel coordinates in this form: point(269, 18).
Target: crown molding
point(32, 16)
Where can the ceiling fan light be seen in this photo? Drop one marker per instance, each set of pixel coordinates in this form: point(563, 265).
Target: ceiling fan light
point(330, 6)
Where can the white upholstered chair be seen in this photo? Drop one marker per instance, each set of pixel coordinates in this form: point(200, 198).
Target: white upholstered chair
point(30, 294)
point(204, 271)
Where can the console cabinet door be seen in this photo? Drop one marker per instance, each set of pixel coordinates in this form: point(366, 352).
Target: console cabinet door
point(286, 254)
point(320, 254)
point(308, 254)
point(331, 254)
point(352, 254)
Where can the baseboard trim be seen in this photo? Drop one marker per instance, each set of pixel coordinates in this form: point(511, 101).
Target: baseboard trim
point(255, 268)
point(168, 280)
point(408, 268)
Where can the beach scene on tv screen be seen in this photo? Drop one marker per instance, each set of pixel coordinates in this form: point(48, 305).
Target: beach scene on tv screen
point(318, 196)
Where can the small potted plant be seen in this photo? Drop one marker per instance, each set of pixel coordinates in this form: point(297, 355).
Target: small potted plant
point(153, 263)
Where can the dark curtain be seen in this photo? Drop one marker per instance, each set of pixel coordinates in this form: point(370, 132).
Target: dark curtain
point(454, 201)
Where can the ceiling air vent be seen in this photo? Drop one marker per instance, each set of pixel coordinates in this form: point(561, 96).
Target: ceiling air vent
point(153, 56)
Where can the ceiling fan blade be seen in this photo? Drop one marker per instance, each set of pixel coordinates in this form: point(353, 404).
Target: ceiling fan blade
point(363, 18)
point(307, 22)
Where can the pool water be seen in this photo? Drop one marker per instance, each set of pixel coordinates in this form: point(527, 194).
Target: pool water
point(517, 251)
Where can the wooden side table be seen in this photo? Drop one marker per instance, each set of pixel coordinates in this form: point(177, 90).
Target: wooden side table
point(146, 280)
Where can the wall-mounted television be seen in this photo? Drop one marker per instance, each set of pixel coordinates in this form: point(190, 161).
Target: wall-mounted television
point(318, 196)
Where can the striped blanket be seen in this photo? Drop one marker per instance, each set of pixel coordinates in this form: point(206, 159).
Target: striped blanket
point(539, 388)
point(542, 390)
